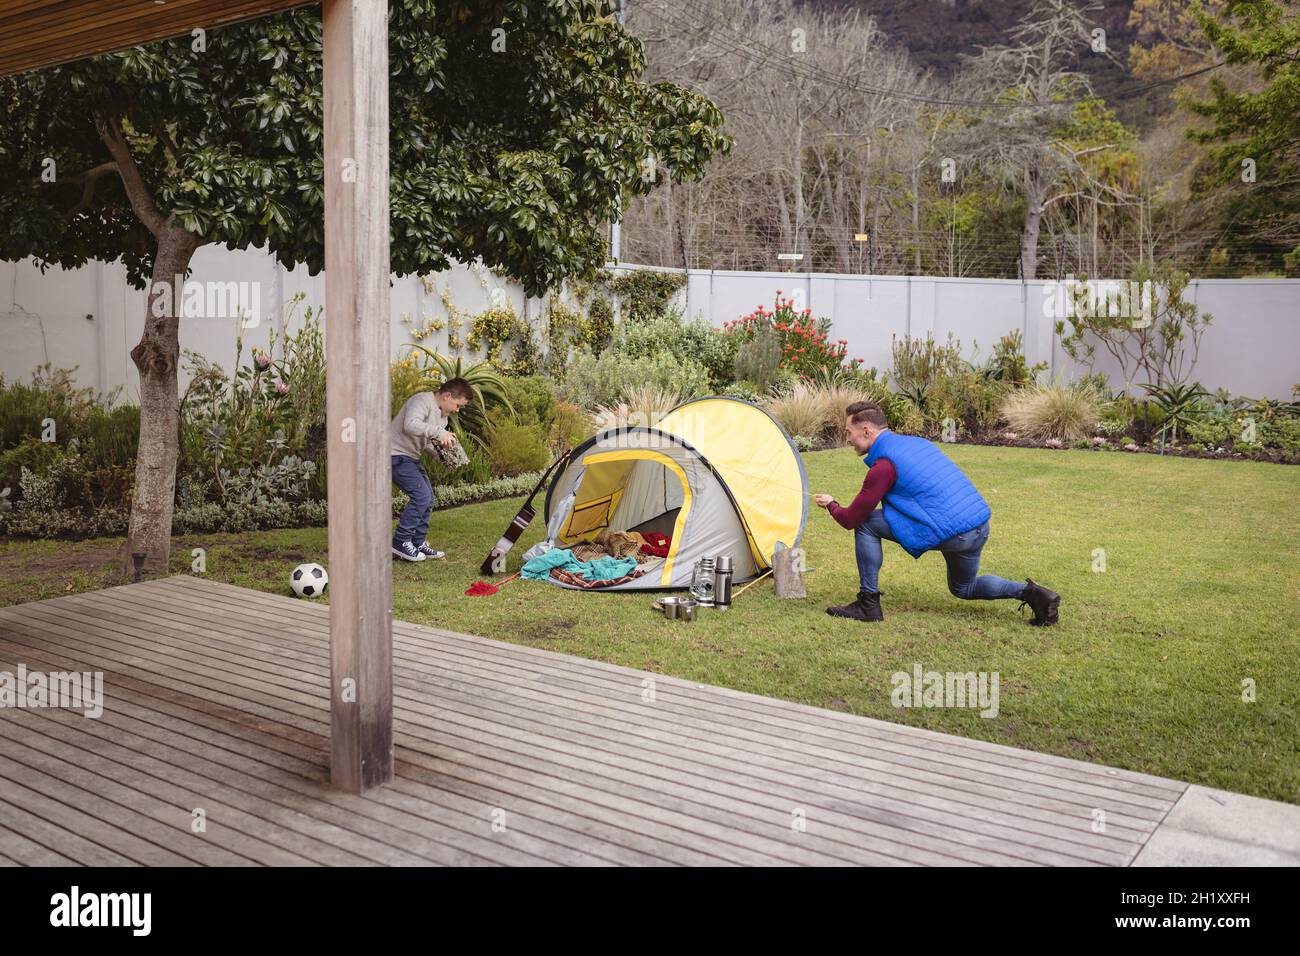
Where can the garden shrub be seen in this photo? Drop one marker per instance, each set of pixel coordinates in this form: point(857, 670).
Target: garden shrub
point(649, 402)
point(905, 417)
point(110, 436)
point(1008, 365)
point(1283, 433)
point(595, 380)
point(514, 448)
point(695, 341)
point(599, 326)
point(972, 402)
point(1055, 411)
point(23, 409)
point(806, 349)
point(51, 394)
point(570, 426)
point(1111, 427)
point(533, 399)
point(800, 411)
point(745, 391)
point(493, 329)
point(897, 410)
point(30, 454)
point(286, 481)
point(920, 363)
point(836, 398)
point(407, 379)
point(1212, 431)
point(758, 359)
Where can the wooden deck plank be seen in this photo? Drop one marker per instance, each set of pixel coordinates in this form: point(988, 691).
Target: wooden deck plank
point(1103, 858)
point(27, 852)
point(797, 800)
point(72, 833)
point(651, 803)
point(1080, 810)
point(178, 719)
point(1081, 819)
point(716, 701)
point(917, 843)
point(299, 811)
point(132, 810)
point(219, 694)
point(106, 656)
point(1073, 792)
point(69, 639)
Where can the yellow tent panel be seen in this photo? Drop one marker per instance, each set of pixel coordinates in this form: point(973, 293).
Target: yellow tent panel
point(757, 462)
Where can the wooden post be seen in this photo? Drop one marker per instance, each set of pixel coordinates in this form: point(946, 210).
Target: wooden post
point(357, 401)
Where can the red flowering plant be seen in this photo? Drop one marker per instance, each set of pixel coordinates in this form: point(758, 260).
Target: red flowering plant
point(806, 347)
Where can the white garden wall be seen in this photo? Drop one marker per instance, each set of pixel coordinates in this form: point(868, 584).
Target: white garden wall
point(1251, 348)
point(90, 318)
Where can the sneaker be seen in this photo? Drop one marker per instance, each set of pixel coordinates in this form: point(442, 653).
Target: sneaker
point(429, 551)
point(1042, 602)
point(408, 552)
point(865, 608)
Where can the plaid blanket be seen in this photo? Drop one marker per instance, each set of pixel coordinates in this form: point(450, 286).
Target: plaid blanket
point(564, 577)
point(591, 550)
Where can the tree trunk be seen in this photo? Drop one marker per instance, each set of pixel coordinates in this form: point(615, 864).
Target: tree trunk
point(1029, 238)
point(156, 357)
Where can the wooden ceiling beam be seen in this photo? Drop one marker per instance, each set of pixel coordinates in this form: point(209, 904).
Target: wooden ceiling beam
point(35, 34)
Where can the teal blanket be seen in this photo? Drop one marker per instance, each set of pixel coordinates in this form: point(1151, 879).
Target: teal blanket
point(602, 569)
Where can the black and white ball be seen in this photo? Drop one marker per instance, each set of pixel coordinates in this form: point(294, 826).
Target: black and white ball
point(309, 580)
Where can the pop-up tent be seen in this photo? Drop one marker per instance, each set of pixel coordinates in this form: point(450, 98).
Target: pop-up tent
point(716, 475)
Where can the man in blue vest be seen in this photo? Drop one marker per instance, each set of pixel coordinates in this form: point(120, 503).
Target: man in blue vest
point(927, 505)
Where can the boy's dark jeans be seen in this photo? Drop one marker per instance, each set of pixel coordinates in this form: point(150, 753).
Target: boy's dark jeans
point(413, 524)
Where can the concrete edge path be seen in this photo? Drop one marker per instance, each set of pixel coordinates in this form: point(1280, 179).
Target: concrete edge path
point(1208, 827)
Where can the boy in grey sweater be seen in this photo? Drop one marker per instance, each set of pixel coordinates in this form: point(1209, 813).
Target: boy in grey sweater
point(419, 424)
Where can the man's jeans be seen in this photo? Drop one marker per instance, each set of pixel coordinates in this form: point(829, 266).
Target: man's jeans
point(961, 552)
point(413, 524)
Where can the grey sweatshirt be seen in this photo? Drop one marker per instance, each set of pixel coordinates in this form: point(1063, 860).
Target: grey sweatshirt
point(418, 423)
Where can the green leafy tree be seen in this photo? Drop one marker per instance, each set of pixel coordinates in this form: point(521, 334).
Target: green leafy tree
point(1253, 142)
point(516, 128)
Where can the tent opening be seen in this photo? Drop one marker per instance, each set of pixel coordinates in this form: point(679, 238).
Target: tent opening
point(630, 490)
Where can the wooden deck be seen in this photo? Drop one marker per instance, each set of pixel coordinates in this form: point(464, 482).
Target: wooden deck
point(216, 701)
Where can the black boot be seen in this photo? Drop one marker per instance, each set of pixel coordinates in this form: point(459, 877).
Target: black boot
point(865, 608)
point(1042, 602)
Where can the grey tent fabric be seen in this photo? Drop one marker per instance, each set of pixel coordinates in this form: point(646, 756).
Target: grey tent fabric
point(675, 484)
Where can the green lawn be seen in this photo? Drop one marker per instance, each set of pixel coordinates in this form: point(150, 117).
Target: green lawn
point(1145, 670)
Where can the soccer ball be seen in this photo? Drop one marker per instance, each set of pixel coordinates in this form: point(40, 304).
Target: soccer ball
point(309, 580)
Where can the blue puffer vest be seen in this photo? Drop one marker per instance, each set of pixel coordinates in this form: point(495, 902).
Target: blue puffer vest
point(931, 499)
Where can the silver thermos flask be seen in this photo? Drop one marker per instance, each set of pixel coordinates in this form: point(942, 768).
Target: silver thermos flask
point(722, 582)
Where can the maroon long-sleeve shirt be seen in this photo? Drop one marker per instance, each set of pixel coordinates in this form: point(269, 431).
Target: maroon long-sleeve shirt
point(880, 478)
